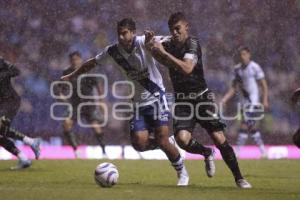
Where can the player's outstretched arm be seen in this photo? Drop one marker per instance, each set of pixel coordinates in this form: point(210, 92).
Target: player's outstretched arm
point(85, 67)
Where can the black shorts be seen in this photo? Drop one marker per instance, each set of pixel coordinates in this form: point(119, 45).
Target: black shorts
point(89, 113)
point(202, 110)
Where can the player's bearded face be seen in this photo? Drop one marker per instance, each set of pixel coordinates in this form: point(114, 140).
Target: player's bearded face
point(179, 31)
point(125, 37)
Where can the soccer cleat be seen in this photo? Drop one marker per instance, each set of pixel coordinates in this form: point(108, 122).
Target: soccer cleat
point(210, 166)
point(36, 147)
point(22, 164)
point(183, 177)
point(243, 183)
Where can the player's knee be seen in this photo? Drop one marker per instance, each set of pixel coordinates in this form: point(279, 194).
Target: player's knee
point(139, 146)
point(218, 137)
point(182, 140)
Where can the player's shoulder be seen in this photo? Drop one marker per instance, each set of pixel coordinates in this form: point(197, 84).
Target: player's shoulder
point(236, 67)
point(254, 65)
point(68, 71)
point(192, 40)
point(140, 39)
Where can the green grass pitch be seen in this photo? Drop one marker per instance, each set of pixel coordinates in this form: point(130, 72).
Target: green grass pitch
point(141, 179)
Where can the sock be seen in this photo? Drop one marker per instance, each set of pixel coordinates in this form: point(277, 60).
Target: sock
point(22, 156)
point(12, 133)
point(71, 139)
point(241, 140)
point(195, 147)
point(99, 137)
point(28, 140)
point(259, 142)
point(178, 163)
point(230, 159)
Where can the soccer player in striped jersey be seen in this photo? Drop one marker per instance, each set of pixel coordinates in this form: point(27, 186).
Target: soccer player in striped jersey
point(195, 103)
point(247, 78)
point(151, 110)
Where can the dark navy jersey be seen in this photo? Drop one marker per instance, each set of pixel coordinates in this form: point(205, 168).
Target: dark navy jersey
point(193, 82)
point(7, 71)
point(86, 87)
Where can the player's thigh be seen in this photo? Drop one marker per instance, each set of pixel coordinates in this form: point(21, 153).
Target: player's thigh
point(140, 139)
point(68, 124)
point(184, 120)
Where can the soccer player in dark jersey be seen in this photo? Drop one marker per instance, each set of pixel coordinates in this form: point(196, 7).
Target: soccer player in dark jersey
point(89, 113)
point(295, 98)
point(9, 105)
point(182, 55)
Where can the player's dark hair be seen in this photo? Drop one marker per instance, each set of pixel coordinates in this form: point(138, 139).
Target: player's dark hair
point(176, 17)
point(74, 53)
point(244, 48)
point(126, 23)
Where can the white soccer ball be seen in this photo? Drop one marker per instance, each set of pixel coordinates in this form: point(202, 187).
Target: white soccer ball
point(106, 174)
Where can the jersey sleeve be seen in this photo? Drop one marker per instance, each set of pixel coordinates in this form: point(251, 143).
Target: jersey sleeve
point(103, 57)
point(192, 51)
point(259, 73)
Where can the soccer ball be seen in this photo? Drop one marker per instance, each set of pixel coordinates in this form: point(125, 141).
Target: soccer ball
point(106, 174)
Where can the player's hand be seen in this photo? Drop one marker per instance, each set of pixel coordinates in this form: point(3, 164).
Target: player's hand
point(65, 78)
point(149, 36)
point(158, 48)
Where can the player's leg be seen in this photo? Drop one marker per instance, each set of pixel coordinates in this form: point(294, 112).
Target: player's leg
point(139, 135)
point(162, 139)
point(256, 136)
point(252, 125)
point(242, 137)
point(8, 111)
point(9, 145)
point(69, 134)
point(209, 120)
point(183, 129)
point(296, 138)
point(99, 135)
point(92, 116)
point(229, 157)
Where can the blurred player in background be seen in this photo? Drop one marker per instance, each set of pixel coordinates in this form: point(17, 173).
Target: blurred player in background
point(295, 99)
point(150, 107)
point(248, 76)
point(182, 55)
point(9, 106)
point(89, 113)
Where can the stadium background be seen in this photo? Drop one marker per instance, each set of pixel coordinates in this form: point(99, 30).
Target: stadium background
point(37, 35)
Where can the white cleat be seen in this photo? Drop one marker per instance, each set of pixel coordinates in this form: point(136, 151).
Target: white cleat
point(210, 166)
point(243, 183)
point(183, 177)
